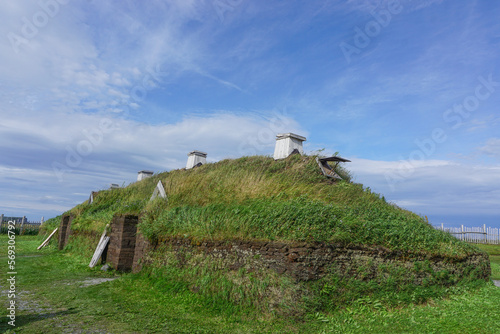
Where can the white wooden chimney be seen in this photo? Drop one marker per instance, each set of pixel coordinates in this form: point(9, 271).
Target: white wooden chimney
point(195, 158)
point(286, 144)
point(144, 174)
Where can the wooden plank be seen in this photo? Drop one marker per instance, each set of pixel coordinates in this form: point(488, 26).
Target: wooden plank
point(99, 249)
point(159, 191)
point(98, 252)
point(47, 240)
point(337, 159)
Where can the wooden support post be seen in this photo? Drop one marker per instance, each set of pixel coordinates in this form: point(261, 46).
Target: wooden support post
point(122, 243)
point(64, 230)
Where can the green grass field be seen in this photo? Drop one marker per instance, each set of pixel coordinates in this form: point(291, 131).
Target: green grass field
point(53, 299)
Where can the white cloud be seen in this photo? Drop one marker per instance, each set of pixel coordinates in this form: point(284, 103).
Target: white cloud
point(433, 186)
point(115, 156)
point(492, 147)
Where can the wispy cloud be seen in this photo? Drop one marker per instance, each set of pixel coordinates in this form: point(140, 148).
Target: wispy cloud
point(492, 147)
point(435, 187)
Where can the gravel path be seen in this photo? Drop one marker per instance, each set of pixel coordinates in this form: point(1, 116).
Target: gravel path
point(92, 281)
point(497, 283)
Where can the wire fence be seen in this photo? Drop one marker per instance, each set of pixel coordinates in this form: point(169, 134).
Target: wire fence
point(478, 235)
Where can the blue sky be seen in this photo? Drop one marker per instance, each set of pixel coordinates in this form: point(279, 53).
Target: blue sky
point(92, 92)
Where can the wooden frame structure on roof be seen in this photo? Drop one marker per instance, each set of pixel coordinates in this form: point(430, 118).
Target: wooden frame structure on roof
point(328, 170)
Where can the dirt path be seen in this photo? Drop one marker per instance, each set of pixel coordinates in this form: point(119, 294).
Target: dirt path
point(31, 309)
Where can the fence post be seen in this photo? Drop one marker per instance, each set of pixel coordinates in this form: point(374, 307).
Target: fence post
point(1, 219)
point(22, 224)
point(442, 227)
point(485, 235)
point(42, 221)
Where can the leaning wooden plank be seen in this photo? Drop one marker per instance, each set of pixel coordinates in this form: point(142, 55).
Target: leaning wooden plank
point(47, 240)
point(95, 257)
point(98, 252)
point(98, 245)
